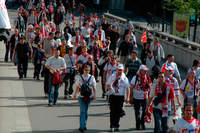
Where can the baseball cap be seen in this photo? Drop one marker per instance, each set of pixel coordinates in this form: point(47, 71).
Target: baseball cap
point(120, 66)
point(143, 67)
point(30, 26)
point(169, 68)
point(58, 41)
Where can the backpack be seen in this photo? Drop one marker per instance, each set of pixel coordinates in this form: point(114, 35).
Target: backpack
point(85, 89)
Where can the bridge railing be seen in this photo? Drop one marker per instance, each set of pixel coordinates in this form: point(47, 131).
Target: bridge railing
point(184, 51)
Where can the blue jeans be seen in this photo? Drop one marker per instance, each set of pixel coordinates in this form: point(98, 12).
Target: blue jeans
point(161, 123)
point(53, 91)
point(83, 112)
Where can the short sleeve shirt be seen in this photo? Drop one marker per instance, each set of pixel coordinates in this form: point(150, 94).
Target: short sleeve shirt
point(92, 81)
point(121, 86)
point(56, 63)
point(189, 89)
point(184, 126)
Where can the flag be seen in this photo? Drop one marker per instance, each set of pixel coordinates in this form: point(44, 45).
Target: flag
point(144, 38)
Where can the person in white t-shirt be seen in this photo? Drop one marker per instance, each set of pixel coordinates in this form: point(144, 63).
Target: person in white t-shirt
point(190, 90)
point(170, 62)
point(140, 89)
point(55, 64)
point(85, 101)
point(187, 124)
point(118, 87)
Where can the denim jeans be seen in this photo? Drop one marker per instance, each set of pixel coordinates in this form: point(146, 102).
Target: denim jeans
point(161, 123)
point(83, 112)
point(53, 91)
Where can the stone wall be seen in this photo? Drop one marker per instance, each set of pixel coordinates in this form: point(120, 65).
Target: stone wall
point(184, 51)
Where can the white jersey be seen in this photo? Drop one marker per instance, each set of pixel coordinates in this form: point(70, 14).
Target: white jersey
point(83, 58)
point(86, 32)
point(118, 84)
point(174, 83)
point(138, 93)
point(189, 89)
point(70, 62)
point(173, 65)
point(100, 34)
point(110, 69)
point(92, 81)
point(184, 126)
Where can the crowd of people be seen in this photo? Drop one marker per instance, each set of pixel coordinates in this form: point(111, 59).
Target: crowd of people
point(81, 51)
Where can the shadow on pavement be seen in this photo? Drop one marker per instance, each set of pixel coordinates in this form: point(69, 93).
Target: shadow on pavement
point(90, 115)
point(129, 130)
point(23, 79)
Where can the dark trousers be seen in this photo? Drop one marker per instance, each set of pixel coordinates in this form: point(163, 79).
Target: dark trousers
point(116, 105)
point(11, 53)
point(22, 67)
point(69, 81)
point(37, 69)
point(103, 86)
point(161, 123)
point(46, 80)
point(139, 117)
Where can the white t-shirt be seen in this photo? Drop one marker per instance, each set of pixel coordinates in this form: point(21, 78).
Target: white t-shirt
point(56, 63)
point(184, 126)
point(121, 86)
point(92, 81)
point(85, 32)
point(84, 59)
point(69, 62)
point(110, 69)
point(174, 83)
point(138, 93)
point(189, 89)
point(103, 37)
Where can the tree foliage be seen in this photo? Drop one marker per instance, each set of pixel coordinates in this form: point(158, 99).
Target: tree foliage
point(183, 6)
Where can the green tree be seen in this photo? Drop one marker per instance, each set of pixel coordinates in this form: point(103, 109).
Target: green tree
point(184, 6)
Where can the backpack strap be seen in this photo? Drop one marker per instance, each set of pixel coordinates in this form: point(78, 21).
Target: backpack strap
point(84, 80)
point(89, 79)
point(136, 80)
point(186, 82)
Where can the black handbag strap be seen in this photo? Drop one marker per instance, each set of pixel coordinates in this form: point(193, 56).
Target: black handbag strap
point(71, 61)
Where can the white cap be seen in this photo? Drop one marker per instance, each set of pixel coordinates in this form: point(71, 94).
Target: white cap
point(58, 41)
point(143, 67)
point(120, 66)
point(69, 44)
point(30, 26)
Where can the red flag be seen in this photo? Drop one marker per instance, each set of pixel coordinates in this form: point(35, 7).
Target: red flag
point(144, 38)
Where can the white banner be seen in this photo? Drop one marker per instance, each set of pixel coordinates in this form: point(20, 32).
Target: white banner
point(4, 19)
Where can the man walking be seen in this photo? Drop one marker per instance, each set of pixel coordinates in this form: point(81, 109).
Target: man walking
point(117, 85)
point(56, 65)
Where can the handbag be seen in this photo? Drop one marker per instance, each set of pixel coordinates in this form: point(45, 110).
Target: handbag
point(57, 78)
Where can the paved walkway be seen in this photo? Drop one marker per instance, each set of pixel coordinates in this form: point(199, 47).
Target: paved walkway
point(12, 119)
